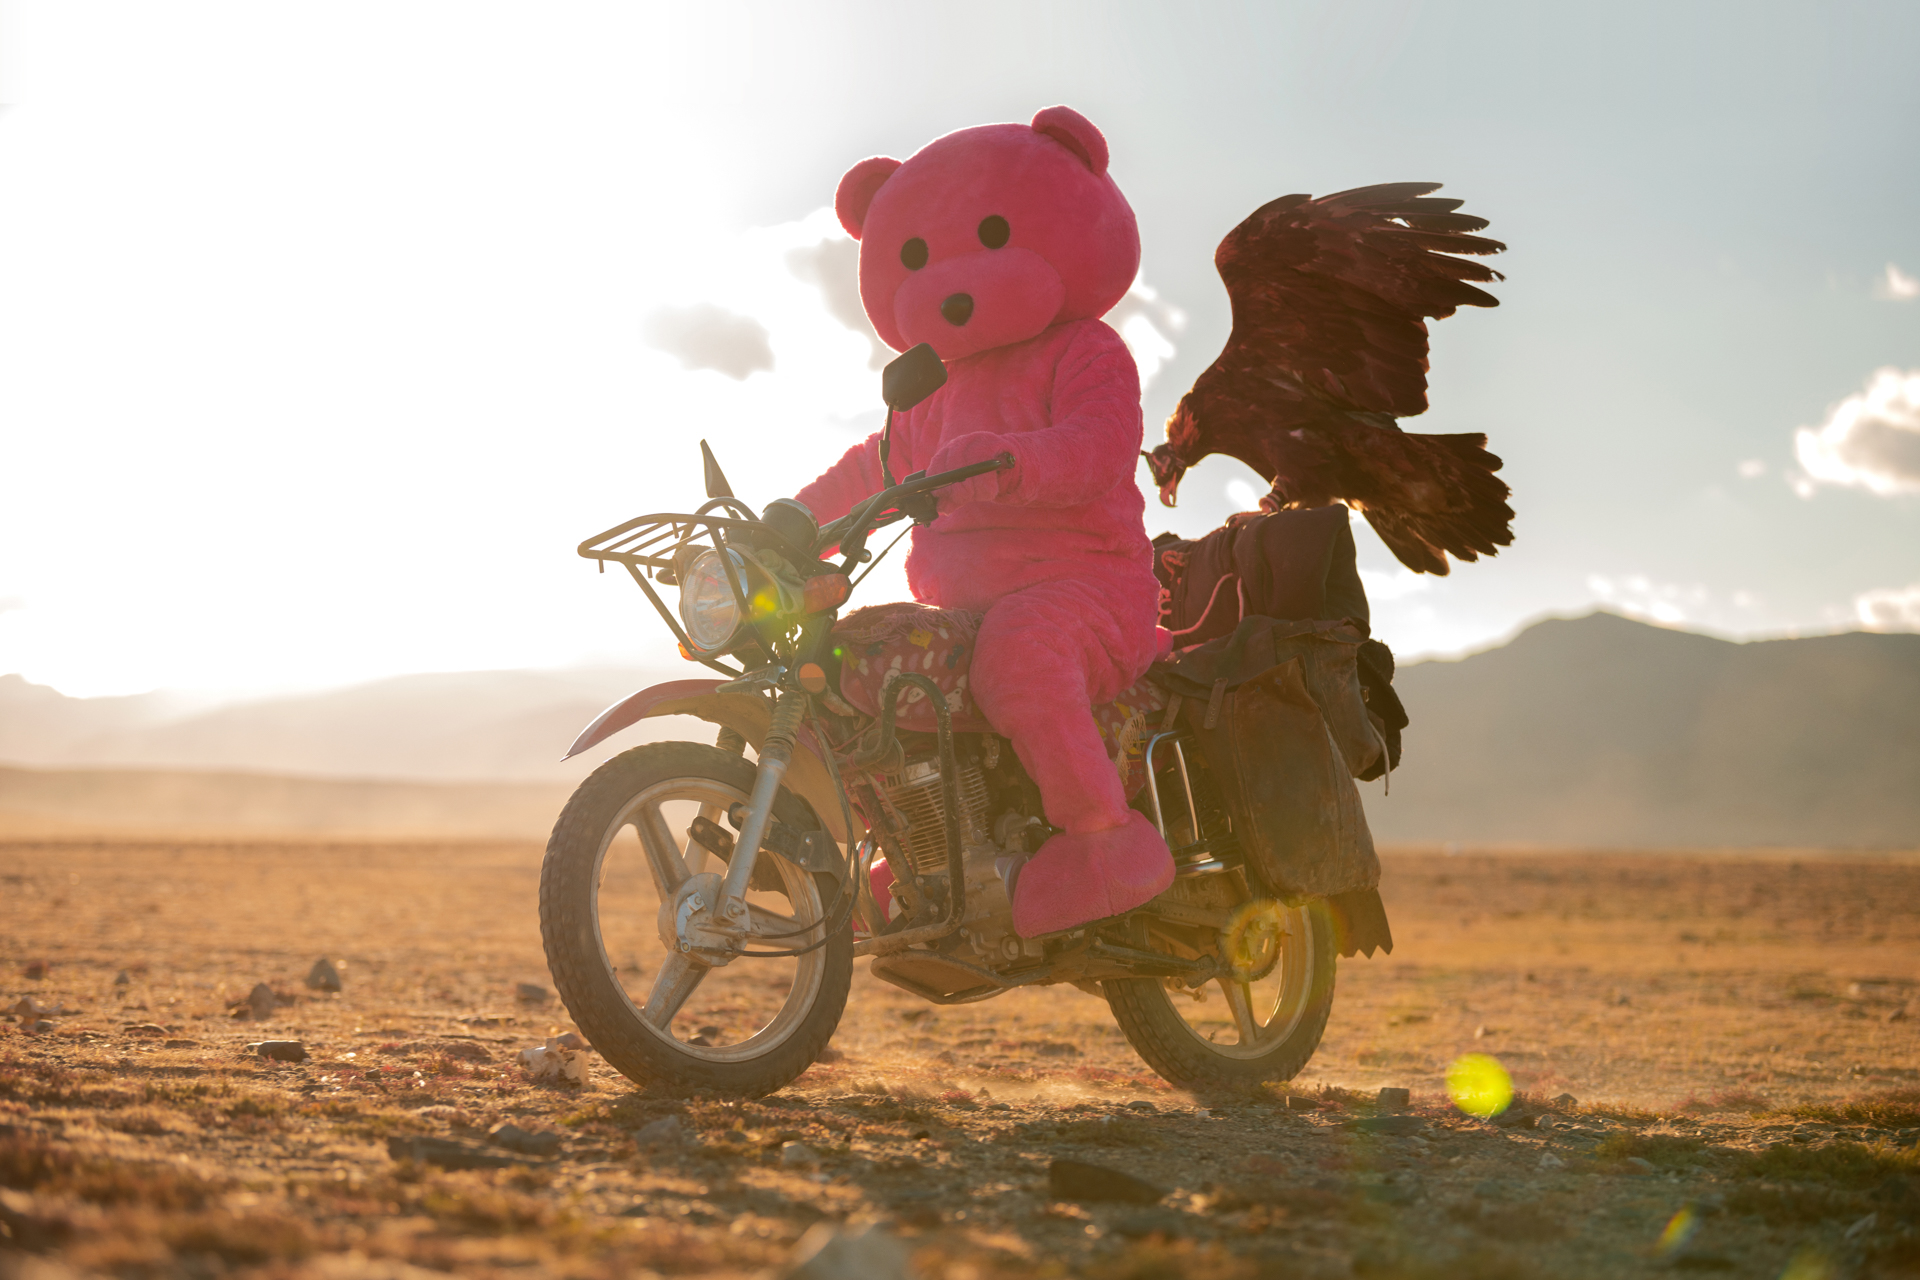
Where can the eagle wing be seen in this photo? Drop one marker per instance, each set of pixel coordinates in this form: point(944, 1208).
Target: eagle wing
point(1331, 299)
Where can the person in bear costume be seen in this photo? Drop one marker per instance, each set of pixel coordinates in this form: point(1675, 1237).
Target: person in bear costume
point(1001, 246)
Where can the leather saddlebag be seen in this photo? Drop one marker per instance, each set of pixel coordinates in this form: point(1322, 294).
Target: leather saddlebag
point(1277, 712)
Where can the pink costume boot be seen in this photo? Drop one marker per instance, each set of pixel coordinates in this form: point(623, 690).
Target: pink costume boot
point(1043, 657)
point(1079, 877)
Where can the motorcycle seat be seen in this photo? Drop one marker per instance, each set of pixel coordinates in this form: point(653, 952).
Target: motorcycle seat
point(874, 646)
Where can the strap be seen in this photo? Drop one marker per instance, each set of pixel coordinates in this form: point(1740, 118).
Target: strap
point(1172, 717)
point(1201, 621)
point(1213, 703)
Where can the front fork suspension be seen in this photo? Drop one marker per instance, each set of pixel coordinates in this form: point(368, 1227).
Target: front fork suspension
point(776, 753)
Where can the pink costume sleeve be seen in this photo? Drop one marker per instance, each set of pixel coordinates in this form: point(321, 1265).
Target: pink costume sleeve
point(855, 477)
point(1094, 440)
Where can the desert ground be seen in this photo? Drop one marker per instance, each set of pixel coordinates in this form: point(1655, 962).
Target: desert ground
point(1718, 1059)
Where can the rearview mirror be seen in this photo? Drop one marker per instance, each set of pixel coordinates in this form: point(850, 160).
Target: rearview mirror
point(911, 378)
point(717, 486)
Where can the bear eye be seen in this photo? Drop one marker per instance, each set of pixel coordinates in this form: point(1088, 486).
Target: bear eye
point(994, 231)
point(914, 253)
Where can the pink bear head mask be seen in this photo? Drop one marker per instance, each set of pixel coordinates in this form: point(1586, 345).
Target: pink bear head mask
point(989, 236)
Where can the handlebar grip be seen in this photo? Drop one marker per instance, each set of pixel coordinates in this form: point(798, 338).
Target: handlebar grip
point(909, 489)
point(1002, 463)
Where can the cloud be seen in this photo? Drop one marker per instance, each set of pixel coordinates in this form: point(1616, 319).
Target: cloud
point(833, 267)
point(1896, 286)
point(1869, 441)
point(1147, 325)
point(1889, 608)
point(1396, 584)
point(704, 336)
point(1641, 597)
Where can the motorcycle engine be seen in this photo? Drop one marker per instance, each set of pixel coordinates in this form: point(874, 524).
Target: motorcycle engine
point(914, 793)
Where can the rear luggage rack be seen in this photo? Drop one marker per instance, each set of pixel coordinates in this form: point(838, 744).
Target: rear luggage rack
point(1204, 856)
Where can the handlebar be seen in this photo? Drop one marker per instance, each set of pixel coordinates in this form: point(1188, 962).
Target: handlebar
point(853, 527)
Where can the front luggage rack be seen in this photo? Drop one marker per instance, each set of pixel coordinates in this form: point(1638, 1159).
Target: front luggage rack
point(649, 542)
point(647, 546)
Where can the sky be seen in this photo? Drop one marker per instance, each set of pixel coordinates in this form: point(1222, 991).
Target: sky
point(328, 331)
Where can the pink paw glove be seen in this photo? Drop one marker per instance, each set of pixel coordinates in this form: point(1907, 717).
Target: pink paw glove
point(980, 446)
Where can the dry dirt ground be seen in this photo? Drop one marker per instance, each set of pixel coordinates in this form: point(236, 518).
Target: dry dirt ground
point(1739, 1033)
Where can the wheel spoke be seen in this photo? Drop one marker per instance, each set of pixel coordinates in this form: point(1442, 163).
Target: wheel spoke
point(767, 922)
point(695, 853)
point(663, 851)
point(671, 987)
point(1240, 1001)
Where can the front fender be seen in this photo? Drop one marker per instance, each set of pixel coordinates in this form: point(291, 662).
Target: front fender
point(747, 714)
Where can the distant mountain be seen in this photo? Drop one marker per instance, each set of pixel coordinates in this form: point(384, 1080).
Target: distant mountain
point(1590, 731)
point(1604, 731)
point(465, 725)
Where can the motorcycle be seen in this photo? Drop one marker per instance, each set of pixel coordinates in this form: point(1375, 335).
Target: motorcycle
point(701, 912)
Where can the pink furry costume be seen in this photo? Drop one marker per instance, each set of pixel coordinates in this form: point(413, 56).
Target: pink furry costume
point(1000, 246)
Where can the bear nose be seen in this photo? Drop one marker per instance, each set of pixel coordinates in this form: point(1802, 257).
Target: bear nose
point(958, 309)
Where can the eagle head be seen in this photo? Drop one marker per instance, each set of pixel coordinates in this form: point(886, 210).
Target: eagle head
point(1165, 463)
point(1167, 471)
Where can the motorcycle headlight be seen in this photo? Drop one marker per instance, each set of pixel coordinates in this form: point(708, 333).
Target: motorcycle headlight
point(707, 603)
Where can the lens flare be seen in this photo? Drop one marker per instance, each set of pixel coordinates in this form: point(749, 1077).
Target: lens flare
point(1808, 1264)
point(1479, 1085)
point(1680, 1229)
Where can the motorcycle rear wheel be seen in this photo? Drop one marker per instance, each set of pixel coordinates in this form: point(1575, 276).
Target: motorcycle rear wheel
point(1271, 1028)
point(599, 904)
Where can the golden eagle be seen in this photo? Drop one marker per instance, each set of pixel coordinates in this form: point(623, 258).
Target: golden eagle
point(1329, 346)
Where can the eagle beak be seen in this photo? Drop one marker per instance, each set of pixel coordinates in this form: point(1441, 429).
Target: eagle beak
point(1166, 471)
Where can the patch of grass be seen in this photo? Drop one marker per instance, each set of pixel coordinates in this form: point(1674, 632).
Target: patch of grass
point(490, 1210)
point(260, 1105)
point(1798, 1203)
point(1668, 1150)
point(1893, 1109)
point(1173, 1260)
point(149, 1121)
point(23, 1080)
point(1736, 1100)
point(1481, 1263)
point(1852, 1165)
point(373, 1126)
point(42, 1084)
point(248, 1239)
point(1619, 1113)
point(29, 1163)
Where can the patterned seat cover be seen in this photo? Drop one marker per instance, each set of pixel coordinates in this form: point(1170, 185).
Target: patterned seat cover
point(876, 645)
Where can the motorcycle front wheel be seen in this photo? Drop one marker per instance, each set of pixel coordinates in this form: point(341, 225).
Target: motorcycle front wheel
point(1231, 1034)
point(660, 1018)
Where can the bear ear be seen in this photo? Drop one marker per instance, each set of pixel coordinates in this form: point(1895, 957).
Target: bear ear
point(857, 190)
point(1076, 133)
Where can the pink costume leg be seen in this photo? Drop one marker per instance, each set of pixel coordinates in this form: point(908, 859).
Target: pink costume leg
point(1042, 657)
